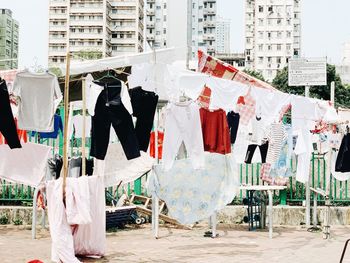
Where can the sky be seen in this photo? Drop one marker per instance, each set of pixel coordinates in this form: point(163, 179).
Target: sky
point(325, 27)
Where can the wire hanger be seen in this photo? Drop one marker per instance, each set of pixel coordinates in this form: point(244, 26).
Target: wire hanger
point(108, 75)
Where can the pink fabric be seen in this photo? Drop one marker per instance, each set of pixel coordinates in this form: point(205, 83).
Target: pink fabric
point(247, 110)
point(88, 239)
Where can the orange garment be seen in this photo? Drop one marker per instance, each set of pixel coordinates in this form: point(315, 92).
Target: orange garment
point(204, 97)
point(160, 144)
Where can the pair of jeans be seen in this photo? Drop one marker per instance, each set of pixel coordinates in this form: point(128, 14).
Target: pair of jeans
point(144, 105)
point(251, 149)
point(233, 123)
point(117, 116)
point(7, 122)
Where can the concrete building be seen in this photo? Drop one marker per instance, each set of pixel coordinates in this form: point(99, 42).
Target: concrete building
point(235, 59)
point(272, 34)
point(223, 35)
point(97, 28)
point(9, 30)
point(344, 68)
point(163, 16)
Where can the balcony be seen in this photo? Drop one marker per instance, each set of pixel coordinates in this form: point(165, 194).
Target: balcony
point(87, 22)
point(86, 35)
point(57, 53)
point(86, 10)
point(57, 15)
point(124, 40)
point(209, 24)
point(57, 40)
point(150, 38)
point(151, 1)
point(209, 11)
point(57, 28)
point(58, 3)
point(150, 12)
point(123, 28)
point(150, 25)
point(123, 15)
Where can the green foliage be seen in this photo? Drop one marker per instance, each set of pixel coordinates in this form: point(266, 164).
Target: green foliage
point(254, 74)
point(88, 54)
point(4, 220)
point(17, 222)
point(342, 92)
point(56, 71)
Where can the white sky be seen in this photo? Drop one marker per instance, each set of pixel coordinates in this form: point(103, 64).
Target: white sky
point(325, 27)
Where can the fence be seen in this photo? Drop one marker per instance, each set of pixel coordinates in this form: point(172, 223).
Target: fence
point(248, 174)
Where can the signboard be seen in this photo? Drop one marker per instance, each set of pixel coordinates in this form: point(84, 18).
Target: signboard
point(307, 72)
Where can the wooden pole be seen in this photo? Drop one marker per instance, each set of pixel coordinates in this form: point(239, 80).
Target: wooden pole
point(307, 184)
point(83, 143)
point(65, 132)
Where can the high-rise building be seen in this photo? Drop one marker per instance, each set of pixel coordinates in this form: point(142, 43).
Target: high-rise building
point(9, 30)
point(97, 28)
point(203, 23)
point(272, 34)
point(223, 35)
point(346, 54)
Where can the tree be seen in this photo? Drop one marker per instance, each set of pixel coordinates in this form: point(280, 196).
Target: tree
point(88, 54)
point(342, 93)
point(254, 74)
point(56, 71)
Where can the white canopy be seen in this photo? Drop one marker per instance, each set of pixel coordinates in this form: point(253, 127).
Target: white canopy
point(166, 56)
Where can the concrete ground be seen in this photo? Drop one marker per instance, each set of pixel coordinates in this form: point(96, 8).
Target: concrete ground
point(235, 244)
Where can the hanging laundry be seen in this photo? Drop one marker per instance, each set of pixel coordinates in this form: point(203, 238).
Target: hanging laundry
point(94, 90)
point(75, 167)
point(247, 110)
point(183, 124)
point(7, 123)
point(78, 125)
point(216, 135)
point(343, 159)
point(281, 170)
point(303, 150)
point(251, 150)
point(26, 165)
point(110, 110)
point(338, 175)
point(152, 150)
point(144, 105)
point(276, 136)
point(22, 135)
point(191, 194)
point(40, 96)
point(233, 124)
point(241, 145)
point(119, 170)
point(204, 97)
point(58, 126)
point(90, 239)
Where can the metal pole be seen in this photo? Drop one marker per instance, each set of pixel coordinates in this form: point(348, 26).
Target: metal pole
point(83, 139)
point(307, 184)
point(189, 33)
point(270, 212)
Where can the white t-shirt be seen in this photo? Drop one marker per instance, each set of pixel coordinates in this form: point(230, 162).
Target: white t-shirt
point(40, 96)
point(77, 122)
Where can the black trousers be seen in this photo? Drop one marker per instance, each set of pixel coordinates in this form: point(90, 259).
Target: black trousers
point(251, 149)
point(233, 123)
point(144, 105)
point(120, 119)
point(342, 163)
point(7, 122)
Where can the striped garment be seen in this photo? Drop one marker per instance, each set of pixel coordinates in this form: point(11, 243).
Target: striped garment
point(276, 136)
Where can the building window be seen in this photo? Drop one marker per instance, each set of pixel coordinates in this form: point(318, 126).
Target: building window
point(164, 30)
point(261, 9)
point(269, 35)
point(278, 60)
point(261, 34)
point(247, 52)
point(289, 34)
point(269, 47)
point(279, 47)
point(270, 9)
point(248, 40)
point(261, 60)
point(279, 34)
point(261, 47)
point(157, 33)
point(261, 22)
point(288, 46)
point(279, 21)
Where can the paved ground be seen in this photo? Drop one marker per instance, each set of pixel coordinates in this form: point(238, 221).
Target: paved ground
point(235, 244)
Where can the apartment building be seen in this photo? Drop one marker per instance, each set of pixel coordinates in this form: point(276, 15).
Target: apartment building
point(272, 34)
point(94, 28)
point(223, 27)
point(203, 23)
point(9, 30)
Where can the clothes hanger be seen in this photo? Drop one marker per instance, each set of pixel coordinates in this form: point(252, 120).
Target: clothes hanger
point(108, 75)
